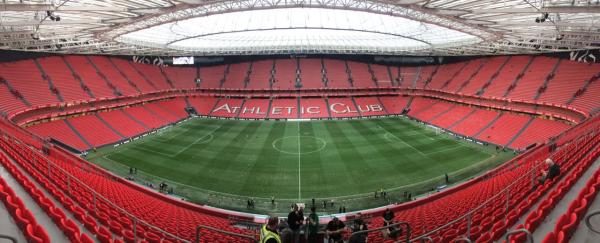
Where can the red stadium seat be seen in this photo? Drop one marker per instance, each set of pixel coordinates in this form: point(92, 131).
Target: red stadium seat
point(128, 236)
point(71, 229)
point(86, 238)
point(148, 97)
point(104, 235)
point(21, 220)
point(498, 230)
point(37, 234)
point(569, 227)
point(484, 238)
point(550, 238)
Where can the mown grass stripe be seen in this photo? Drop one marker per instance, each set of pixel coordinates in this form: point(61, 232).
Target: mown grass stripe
point(357, 158)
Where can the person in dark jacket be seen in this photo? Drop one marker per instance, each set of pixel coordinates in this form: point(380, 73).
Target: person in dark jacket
point(359, 225)
point(552, 172)
point(312, 223)
point(335, 230)
point(295, 220)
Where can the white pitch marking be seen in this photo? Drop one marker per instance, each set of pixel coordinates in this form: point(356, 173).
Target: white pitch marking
point(210, 137)
point(148, 150)
point(402, 141)
point(323, 145)
point(447, 149)
point(210, 134)
point(299, 173)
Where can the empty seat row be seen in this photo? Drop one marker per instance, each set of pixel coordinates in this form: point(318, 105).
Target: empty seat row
point(20, 214)
point(104, 205)
point(568, 222)
point(25, 219)
point(74, 78)
point(572, 169)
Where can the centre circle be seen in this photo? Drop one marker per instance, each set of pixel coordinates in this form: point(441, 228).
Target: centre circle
point(299, 144)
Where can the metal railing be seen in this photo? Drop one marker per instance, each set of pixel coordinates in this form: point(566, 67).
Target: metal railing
point(513, 232)
point(423, 239)
point(135, 221)
point(96, 197)
point(199, 227)
point(462, 238)
point(529, 175)
point(588, 222)
point(8, 237)
point(263, 205)
point(407, 225)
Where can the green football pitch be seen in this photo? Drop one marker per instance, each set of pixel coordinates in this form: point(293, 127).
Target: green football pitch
point(299, 160)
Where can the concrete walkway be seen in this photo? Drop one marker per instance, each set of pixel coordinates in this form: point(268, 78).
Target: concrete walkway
point(7, 224)
point(583, 234)
point(56, 235)
point(562, 206)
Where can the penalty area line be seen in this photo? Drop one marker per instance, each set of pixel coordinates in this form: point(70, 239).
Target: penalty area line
point(402, 141)
point(210, 135)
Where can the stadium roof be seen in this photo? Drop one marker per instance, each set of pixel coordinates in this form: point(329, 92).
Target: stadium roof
point(249, 27)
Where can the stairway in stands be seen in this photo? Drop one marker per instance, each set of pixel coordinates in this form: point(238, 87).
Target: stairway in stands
point(453, 76)
point(114, 88)
point(462, 119)
point(488, 125)
point(129, 81)
point(518, 78)
point(15, 93)
point(559, 205)
point(518, 134)
point(547, 80)
point(110, 126)
point(78, 78)
point(89, 145)
point(492, 78)
point(51, 85)
point(248, 74)
point(464, 84)
point(583, 89)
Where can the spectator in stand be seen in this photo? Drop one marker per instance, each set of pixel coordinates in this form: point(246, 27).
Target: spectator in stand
point(359, 225)
point(552, 172)
point(335, 230)
point(313, 225)
point(268, 233)
point(388, 216)
point(391, 232)
point(295, 220)
point(287, 235)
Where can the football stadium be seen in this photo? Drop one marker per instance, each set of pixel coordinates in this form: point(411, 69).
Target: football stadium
point(157, 121)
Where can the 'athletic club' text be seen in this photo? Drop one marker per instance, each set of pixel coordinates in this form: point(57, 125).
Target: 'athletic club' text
point(338, 108)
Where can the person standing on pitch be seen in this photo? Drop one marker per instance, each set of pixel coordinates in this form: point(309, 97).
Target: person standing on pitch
point(268, 233)
point(295, 220)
